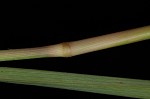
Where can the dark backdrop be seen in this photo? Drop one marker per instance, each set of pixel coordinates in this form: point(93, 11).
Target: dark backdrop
point(42, 23)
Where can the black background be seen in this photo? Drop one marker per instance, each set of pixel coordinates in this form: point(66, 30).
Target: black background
point(41, 23)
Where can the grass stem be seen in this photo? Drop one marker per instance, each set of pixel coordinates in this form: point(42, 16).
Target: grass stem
point(68, 49)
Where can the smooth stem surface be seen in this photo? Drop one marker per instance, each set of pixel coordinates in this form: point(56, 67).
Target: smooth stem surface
point(109, 40)
point(80, 82)
point(68, 49)
point(30, 53)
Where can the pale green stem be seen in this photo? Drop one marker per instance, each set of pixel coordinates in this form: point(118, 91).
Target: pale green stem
point(81, 82)
point(73, 48)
